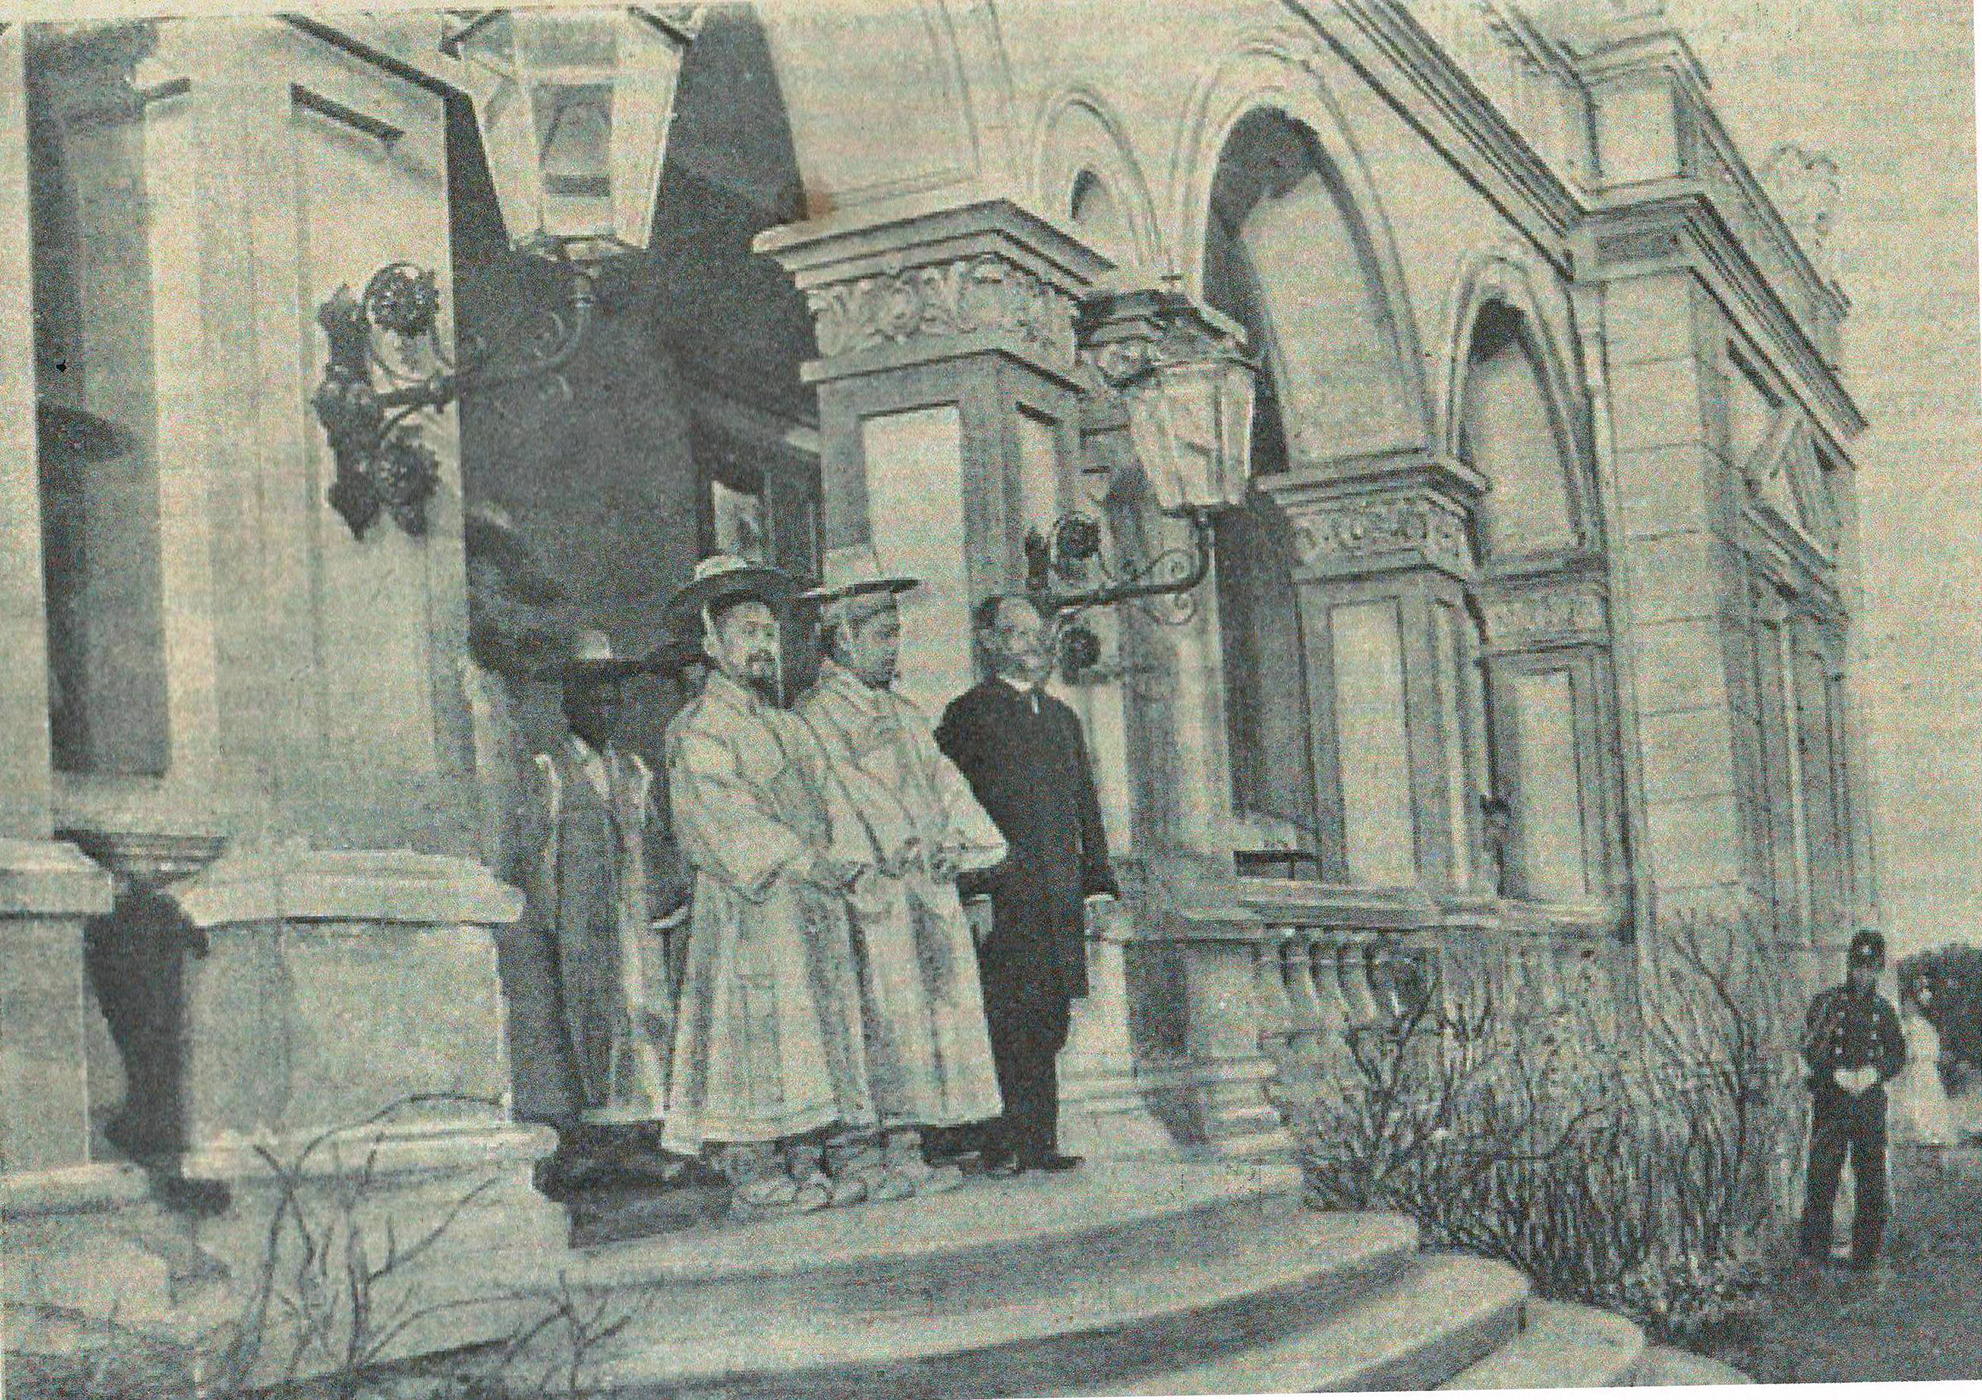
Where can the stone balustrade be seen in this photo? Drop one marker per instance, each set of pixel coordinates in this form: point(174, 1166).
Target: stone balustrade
point(1318, 966)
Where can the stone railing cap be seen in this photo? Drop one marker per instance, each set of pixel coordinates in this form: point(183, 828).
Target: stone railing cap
point(374, 886)
point(50, 879)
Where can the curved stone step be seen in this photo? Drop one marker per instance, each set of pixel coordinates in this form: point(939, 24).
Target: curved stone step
point(1054, 1333)
point(1430, 1324)
point(993, 1243)
point(1562, 1345)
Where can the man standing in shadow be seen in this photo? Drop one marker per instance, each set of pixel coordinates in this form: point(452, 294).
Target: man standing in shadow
point(1022, 753)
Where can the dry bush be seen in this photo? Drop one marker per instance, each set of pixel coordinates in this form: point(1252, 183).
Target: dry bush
point(1626, 1156)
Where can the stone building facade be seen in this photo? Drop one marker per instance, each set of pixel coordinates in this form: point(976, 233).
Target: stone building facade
point(1551, 500)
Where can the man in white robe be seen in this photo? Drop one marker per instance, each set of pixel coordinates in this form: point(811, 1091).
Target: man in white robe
point(770, 1068)
point(928, 1049)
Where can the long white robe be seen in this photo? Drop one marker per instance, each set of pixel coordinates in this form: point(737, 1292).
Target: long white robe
point(767, 1039)
point(928, 1050)
point(1920, 1102)
point(611, 972)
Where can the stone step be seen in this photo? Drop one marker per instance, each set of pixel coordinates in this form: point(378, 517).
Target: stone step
point(992, 1243)
point(1106, 1303)
point(1562, 1345)
point(1432, 1323)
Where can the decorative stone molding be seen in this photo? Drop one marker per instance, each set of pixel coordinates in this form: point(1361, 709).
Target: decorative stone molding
point(148, 858)
point(1125, 335)
point(892, 288)
point(50, 880)
point(1367, 517)
point(345, 886)
point(1541, 611)
point(943, 301)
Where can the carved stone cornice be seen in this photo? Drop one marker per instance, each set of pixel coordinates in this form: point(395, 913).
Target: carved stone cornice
point(891, 291)
point(1545, 610)
point(1679, 224)
point(1380, 515)
point(943, 301)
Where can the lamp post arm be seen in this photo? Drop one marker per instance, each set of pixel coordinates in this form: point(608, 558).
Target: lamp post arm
point(1142, 585)
point(439, 390)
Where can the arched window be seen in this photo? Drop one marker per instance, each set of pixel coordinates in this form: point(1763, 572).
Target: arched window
point(1508, 433)
point(1548, 688)
point(1286, 256)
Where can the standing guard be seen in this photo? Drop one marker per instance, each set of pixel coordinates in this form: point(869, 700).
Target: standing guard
point(1853, 1046)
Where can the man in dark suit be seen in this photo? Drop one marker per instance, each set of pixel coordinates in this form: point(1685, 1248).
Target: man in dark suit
point(1852, 1046)
point(1022, 753)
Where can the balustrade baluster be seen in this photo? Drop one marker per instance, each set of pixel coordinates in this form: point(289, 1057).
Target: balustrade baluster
point(1384, 958)
point(1352, 975)
point(1319, 962)
point(1310, 1014)
point(1275, 1013)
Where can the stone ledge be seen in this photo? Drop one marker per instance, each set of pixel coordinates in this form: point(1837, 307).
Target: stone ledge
point(100, 1186)
point(364, 886)
point(424, 1151)
point(50, 879)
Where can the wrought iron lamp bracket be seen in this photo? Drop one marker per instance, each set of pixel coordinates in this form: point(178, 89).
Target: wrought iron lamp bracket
point(383, 463)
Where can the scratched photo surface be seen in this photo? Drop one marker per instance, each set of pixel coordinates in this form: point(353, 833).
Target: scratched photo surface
point(988, 698)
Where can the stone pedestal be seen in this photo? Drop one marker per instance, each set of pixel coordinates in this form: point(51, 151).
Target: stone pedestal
point(47, 890)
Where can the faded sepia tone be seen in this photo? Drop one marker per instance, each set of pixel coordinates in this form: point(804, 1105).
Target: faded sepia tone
point(986, 697)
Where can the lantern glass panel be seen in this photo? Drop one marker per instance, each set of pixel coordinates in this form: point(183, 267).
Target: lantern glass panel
point(574, 145)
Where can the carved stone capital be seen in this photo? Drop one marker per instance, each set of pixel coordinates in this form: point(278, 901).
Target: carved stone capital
point(1379, 516)
point(899, 290)
point(1548, 610)
point(1124, 335)
point(944, 302)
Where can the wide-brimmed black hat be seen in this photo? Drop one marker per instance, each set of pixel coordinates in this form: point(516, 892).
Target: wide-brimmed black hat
point(727, 576)
point(593, 659)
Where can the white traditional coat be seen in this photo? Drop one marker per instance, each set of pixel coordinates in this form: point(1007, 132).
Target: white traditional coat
point(589, 889)
point(928, 1051)
point(767, 1043)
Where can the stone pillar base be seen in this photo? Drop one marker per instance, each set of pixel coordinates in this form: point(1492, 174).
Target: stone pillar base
point(108, 1268)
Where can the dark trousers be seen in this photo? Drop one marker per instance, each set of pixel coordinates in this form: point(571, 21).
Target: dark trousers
point(1839, 1128)
point(1028, 1025)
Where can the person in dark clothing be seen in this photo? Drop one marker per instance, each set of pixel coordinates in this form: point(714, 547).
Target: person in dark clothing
point(1853, 1046)
point(1022, 752)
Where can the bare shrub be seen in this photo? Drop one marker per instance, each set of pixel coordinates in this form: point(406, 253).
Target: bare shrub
point(1627, 1155)
point(338, 1295)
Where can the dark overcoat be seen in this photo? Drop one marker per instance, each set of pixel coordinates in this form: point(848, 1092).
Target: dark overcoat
point(1031, 773)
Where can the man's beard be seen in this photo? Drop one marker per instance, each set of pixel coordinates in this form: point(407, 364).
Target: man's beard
point(760, 673)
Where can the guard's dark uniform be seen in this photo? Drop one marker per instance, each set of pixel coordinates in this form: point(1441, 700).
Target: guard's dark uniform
point(1848, 1030)
point(1023, 755)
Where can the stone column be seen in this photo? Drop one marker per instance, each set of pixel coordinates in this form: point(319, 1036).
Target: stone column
point(950, 416)
point(47, 888)
point(1686, 658)
point(329, 978)
point(1383, 557)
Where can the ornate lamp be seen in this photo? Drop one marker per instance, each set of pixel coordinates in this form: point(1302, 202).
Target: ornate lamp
point(573, 109)
point(1181, 373)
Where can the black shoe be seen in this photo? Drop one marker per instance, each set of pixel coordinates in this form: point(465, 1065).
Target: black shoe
point(992, 1162)
point(1051, 1162)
